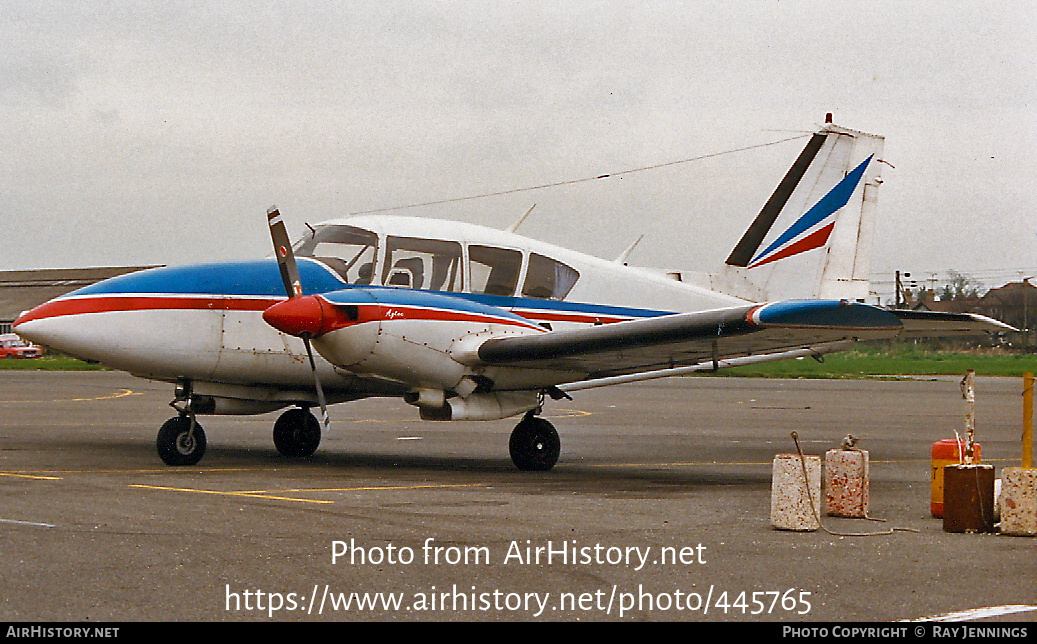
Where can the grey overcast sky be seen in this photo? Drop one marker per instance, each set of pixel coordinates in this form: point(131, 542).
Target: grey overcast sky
point(159, 133)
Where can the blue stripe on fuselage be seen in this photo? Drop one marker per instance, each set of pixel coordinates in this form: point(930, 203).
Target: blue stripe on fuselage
point(262, 278)
point(405, 297)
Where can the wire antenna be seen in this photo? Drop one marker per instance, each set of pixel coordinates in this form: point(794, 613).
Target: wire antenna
point(575, 181)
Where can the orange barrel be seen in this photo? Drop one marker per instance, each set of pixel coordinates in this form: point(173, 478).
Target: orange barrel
point(945, 453)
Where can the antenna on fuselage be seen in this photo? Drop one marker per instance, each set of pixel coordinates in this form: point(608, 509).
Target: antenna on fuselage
point(622, 259)
point(518, 223)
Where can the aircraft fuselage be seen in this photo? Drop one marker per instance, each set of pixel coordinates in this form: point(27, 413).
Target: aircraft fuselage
point(203, 323)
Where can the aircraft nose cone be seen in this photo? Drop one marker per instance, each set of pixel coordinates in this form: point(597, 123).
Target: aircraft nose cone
point(297, 316)
point(56, 325)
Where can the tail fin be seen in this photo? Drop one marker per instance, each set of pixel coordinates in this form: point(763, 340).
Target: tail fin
point(825, 201)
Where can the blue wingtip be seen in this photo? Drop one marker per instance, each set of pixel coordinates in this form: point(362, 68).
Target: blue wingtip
point(841, 314)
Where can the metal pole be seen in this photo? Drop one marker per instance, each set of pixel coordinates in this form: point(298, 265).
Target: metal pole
point(1027, 420)
point(968, 392)
point(1026, 317)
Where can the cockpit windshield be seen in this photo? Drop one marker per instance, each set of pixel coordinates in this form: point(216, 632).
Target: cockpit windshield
point(348, 250)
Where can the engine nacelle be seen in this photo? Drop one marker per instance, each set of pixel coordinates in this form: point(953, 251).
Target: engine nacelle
point(489, 406)
point(425, 340)
point(221, 406)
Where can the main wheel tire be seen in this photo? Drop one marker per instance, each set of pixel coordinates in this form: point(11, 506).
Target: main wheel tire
point(177, 445)
point(297, 433)
point(534, 445)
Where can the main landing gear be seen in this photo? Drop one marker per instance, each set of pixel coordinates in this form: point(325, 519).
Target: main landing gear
point(534, 444)
point(297, 433)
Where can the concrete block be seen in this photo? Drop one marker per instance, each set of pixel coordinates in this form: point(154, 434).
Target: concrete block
point(846, 483)
point(790, 502)
point(1019, 501)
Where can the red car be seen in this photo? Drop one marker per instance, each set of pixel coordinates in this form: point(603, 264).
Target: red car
point(11, 346)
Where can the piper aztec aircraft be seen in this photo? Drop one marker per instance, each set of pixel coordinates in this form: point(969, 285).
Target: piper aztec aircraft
point(470, 323)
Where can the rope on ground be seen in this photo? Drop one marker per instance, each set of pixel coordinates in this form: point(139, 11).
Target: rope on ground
point(817, 510)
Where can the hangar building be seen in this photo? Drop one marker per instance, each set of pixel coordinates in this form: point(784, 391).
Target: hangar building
point(23, 290)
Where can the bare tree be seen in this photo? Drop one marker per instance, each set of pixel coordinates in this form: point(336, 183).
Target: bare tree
point(959, 287)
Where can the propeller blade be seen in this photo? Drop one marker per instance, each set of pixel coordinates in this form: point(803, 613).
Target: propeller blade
point(293, 287)
point(283, 250)
point(316, 380)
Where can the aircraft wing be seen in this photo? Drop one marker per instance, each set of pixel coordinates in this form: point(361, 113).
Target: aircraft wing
point(684, 339)
point(925, 324)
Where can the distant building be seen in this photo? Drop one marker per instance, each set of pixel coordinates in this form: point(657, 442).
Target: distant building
point(1014, 303)
point(925, 300)
point(23, 290)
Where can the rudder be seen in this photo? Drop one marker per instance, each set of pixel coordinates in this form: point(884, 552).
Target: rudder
point(825, 201)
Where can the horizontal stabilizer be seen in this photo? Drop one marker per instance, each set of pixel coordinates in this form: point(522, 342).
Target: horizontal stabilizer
point(936, 324)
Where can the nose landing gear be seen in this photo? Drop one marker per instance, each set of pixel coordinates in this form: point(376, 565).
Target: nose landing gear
point(181, 441)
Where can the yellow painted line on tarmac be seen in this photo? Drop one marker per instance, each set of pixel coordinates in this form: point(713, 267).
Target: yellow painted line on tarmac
point(680, 464)
point(568, 413)
point(278, 495)
point(38, 477)
point(122, 393)
point(372, 488)
point(251, 495)
point(211, 470)
point(707, 463)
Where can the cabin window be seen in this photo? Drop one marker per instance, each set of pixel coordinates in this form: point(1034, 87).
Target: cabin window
point(495, 271)
point(548, 279)
point(347, 250)
point(426, 264)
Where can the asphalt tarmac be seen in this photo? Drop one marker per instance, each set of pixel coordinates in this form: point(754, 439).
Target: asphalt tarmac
point(658, 509)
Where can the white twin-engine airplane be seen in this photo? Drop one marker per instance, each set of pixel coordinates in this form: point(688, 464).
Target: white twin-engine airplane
point(470, 323)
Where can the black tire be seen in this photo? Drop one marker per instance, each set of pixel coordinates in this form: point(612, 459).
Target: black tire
point(297, 433)
point(175, 444)
point(534, 445)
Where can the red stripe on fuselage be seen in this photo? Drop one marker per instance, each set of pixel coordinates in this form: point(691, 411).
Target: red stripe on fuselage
point(82, 305)
point(389, 313)
point(367, 312)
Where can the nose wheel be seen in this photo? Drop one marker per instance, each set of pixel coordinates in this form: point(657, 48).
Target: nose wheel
point(181, 441)
point(296, 433)
point(534, 444)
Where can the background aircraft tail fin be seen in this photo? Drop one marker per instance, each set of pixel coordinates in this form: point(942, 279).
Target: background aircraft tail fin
point(813, 237)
